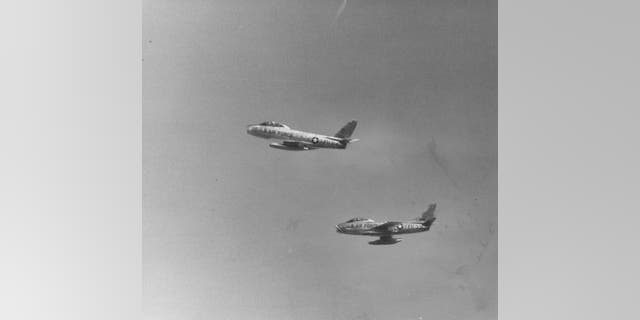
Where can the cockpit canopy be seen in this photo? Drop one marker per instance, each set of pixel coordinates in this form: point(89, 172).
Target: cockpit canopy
point(274, 124)
point(357, 219)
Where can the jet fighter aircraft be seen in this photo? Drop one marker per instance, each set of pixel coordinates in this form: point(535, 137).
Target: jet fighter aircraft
point(386, 230)
point(295, 140)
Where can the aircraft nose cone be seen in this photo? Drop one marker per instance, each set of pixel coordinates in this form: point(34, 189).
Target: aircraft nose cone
point(339, 228)
point(250, 128)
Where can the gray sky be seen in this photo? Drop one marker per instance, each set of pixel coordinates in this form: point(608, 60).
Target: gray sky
point(233, 229)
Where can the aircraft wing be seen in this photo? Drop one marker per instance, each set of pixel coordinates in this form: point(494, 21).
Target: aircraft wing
point(292, 145)
point(297, 144)
point(387, 226)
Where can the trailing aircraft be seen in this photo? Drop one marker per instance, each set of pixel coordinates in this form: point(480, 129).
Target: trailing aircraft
point(386, 230)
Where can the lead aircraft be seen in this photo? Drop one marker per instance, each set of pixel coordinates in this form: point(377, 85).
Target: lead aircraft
point(386, 230)
point(296, 140)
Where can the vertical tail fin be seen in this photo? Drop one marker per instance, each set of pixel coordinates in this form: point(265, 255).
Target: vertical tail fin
point(347, 130)
point(428, 217)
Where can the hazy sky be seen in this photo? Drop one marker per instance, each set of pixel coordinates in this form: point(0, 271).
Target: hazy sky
point(234, 229)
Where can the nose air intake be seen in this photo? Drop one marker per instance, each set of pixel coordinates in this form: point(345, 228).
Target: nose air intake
point(250, 128)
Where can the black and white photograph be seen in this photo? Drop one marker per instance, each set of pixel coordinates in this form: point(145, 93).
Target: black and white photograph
point(319, 159)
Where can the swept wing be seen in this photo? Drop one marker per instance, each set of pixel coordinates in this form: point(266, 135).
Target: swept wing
point(292, 146)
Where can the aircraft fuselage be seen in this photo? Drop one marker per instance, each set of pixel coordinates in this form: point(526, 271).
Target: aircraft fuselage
point(312, 140)
point(367, 228)
point(386, 230)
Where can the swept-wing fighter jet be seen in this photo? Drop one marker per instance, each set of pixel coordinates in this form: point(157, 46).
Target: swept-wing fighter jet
point(295, 140)
point(386, 230)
